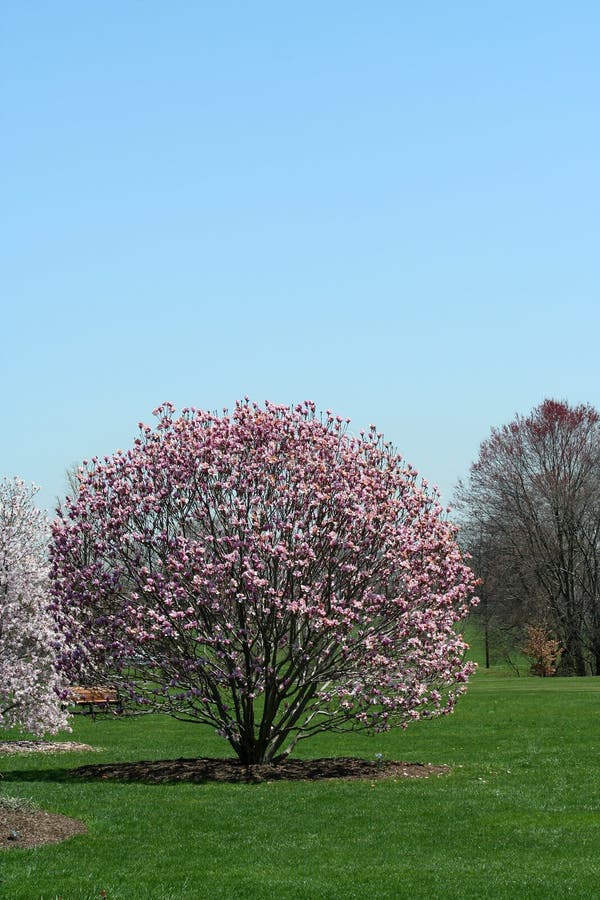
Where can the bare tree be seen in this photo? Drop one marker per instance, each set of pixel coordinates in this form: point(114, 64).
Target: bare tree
point(531, 517)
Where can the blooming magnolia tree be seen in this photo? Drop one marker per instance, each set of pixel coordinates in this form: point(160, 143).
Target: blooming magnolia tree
point(30, 686)
point(264, 573)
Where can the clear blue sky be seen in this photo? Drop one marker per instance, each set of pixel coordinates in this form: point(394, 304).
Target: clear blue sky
point(390, 208)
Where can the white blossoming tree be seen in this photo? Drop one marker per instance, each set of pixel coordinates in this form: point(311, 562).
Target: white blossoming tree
point(30, 687)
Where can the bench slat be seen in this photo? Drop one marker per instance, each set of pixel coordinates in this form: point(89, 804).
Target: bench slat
point(92, 695)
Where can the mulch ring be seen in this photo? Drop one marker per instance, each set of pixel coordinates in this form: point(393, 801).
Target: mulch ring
point(232, 771)
point(22, 828)
point(10, 747)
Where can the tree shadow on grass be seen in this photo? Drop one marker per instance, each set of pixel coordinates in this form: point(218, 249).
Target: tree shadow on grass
point(231, 771)
point(57, 775)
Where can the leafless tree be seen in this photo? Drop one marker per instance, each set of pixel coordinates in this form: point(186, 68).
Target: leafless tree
point(531, 518)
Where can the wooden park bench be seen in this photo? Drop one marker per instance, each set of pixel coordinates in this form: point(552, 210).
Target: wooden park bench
point(94, 698)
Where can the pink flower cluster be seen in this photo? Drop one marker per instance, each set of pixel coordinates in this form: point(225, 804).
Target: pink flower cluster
point(263, 572)
point(30, 686)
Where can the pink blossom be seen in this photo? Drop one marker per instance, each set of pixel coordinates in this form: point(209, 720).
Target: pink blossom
point(271, 574)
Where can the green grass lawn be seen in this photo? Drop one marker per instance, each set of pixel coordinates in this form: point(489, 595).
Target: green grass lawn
point(519, 816)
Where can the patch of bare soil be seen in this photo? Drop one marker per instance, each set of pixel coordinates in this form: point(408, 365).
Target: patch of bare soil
point(232, 771)
point(21, 828)
point(10, 747)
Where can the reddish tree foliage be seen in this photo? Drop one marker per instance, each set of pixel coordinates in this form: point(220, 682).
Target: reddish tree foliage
point(263, 573)
point(542, 650)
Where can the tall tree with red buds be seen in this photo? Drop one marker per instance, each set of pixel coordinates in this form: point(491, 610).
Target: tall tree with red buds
point(533, 499)
point(30, 686)
point(264, 573)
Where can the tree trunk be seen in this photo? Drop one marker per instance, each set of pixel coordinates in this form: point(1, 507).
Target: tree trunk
point(572, 661)
point(251, 751)
point(596, 657)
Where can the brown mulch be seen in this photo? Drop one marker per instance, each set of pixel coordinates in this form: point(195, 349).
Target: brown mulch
point(10, 747)
point(232, 771)
point(21, 828)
